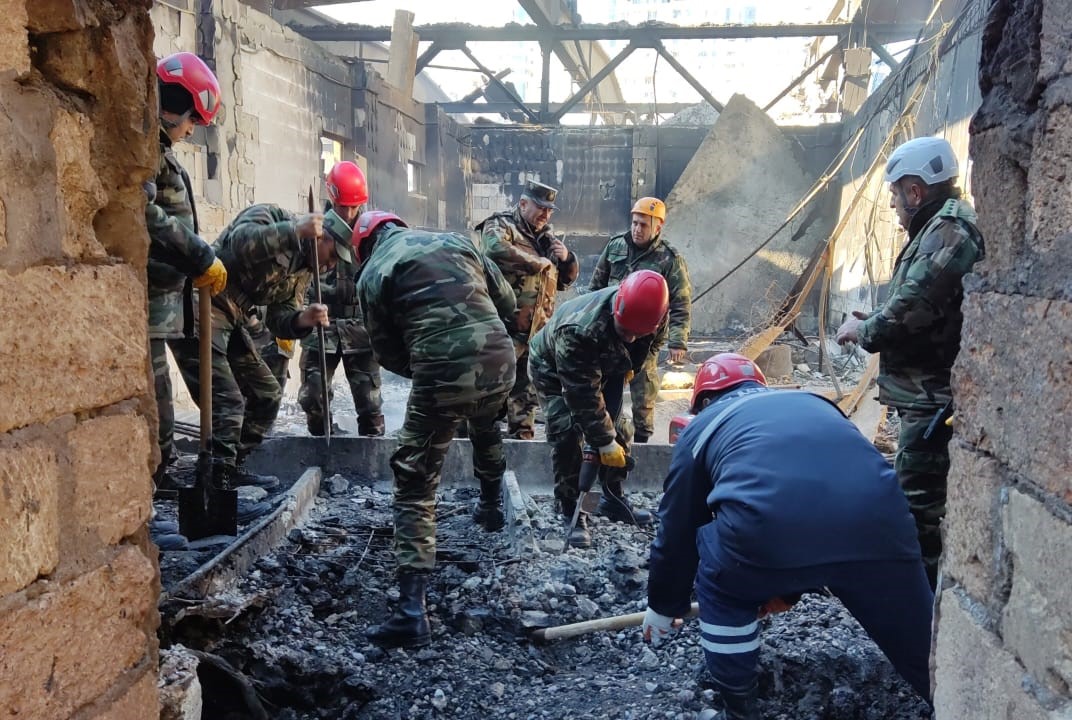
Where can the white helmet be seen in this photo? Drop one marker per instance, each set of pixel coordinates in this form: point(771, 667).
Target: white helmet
point(929, 158)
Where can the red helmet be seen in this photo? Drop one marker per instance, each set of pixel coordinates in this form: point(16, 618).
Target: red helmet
point(366, 225)
point(347, 185)
point(722, 372)
point(642, 302)
point(191, 73)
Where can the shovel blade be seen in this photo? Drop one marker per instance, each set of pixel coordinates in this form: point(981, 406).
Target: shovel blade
point(206, 511)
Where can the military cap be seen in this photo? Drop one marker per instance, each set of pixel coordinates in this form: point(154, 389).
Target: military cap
point(542, 195)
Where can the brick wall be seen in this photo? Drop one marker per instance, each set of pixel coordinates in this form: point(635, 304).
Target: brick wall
point(1004, 644)
point(78, 577)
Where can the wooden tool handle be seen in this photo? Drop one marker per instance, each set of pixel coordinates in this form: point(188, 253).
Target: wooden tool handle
point(204, 334)
point(615, 622)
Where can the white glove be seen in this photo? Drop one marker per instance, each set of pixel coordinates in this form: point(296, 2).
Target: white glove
point(657, 628)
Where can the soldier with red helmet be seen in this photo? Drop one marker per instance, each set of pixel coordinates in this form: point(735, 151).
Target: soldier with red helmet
point(592, 343)
point(189, 96)
point(772, 493)
point(346, 338)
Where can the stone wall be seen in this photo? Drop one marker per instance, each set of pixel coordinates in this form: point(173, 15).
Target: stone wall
point(78, 578)
point(1004, 644)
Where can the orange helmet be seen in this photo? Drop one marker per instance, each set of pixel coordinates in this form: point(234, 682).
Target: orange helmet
point(347, 185)
point(722, 372)
point(642, 302)
point(192, 74)
point(651, 206)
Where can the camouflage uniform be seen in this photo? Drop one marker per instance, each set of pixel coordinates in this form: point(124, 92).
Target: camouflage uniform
point(570, 360)
point(275, 356)
point(622, 257)
point(175, 254)
point(267, 265)
point(512, 245)
point(917, 333)
point(347, 341)
point(434, 307)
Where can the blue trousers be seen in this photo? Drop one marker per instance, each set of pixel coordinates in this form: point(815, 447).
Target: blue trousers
point(891, 599)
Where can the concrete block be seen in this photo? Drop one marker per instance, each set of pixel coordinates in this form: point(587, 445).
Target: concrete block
point(518, 524)
point(112, 487)
point(14, 41)
point(745, 155)
point(140, 701)
point(1039, 611)
point(975, 677)
point(997, 177)
point(68, 645)
point(91, 350)
point(776, 362)
point(181, 697)
point(972, 523)
point(1049, 199)
point(78, 185)
point(29, 515)
point(1013, 384)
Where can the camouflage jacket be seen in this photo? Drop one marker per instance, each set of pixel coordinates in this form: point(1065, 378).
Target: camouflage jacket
point(435, 309)
point(267, 265)
point(576, 349)
point(510, 243)
point(622, 257)
point(175, 250)
point(917, 329)
point(338, 290)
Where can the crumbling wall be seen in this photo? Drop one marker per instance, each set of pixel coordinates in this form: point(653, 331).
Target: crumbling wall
point(1004, 644)
point(945, 61)
point(78, 577)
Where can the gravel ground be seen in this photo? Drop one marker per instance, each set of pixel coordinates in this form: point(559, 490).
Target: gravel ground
point(295, 627)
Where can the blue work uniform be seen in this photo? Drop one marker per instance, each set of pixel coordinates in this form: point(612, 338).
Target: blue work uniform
point(773, 493)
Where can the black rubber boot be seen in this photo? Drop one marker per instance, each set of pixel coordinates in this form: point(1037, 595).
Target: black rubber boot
point(488, 512)
point(239, 476)
point(408, 625)
point(371, 426)
point(739, 704)
point(615, 505)
point(580, 536)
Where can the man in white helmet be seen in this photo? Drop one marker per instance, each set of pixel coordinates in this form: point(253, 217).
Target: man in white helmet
point(917, 328)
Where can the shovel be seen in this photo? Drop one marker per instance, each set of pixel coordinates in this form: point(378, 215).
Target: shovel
point(204, 509)
point(615, 622)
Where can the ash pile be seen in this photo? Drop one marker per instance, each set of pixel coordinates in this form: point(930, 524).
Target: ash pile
point(291, 635)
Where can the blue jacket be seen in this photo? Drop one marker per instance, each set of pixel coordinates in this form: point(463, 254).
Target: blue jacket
point(790, 482)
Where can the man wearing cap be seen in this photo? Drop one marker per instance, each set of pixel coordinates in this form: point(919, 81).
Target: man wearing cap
point(643, 248)
point(537, 264)
point(268, 254)
point(346, 338)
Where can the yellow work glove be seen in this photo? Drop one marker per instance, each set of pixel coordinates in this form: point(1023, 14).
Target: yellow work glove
point(612, 455)
point(629, 375)
point(287, 346)
point(215, 278)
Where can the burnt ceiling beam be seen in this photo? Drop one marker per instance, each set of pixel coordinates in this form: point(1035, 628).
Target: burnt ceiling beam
point(884, 56)
point(800, 78)
point(495, 106)
point(647, 35)
point(594, 81)
point(427, 56)
point(494, 78)
point(683, 72)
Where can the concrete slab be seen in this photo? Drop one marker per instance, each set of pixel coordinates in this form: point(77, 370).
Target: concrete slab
point(738, 188)
point(518, 523)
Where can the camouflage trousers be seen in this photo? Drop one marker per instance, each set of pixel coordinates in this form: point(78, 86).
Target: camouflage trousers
point(567, 447)
point(644, 391)
point(165, 408)
point(418, 463)
point(922, 469)
point(522, 403)
point(245, 395)
point(362, 374)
